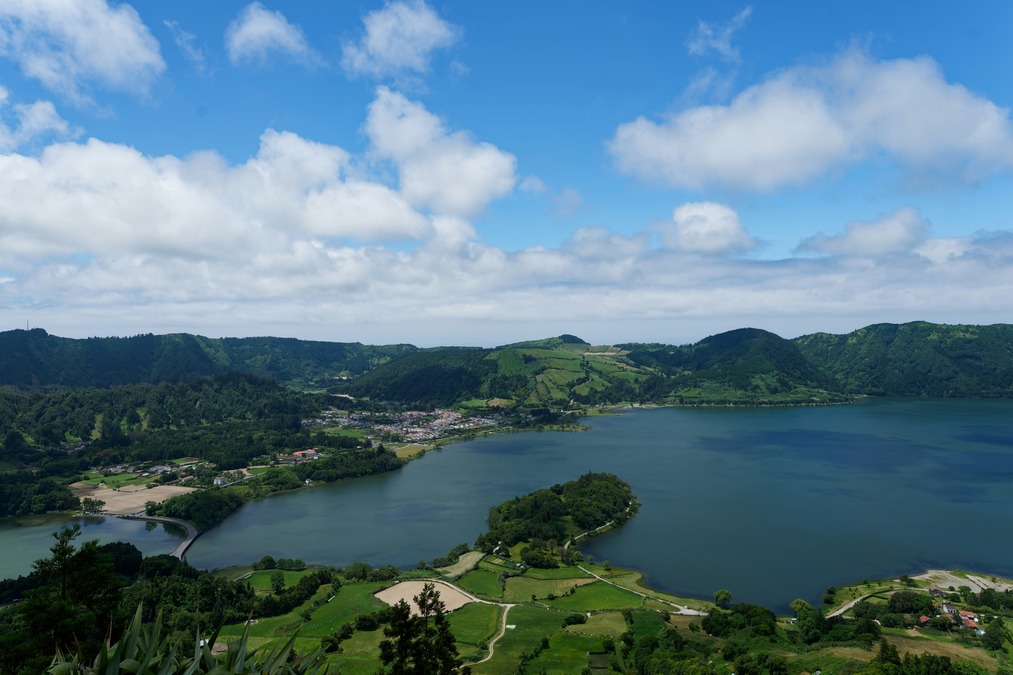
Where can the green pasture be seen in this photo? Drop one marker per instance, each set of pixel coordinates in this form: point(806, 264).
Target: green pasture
point(602, 624)
point(521, 589)
point(531, 624)
point(118, 480)
point(646, 623)
point(567, 653)
point(597, 596)
point(481, 582)
point(360, 654)
point(564, 572)
point(473, 626)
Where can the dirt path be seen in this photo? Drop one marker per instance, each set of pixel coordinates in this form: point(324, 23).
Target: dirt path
point(501, 633)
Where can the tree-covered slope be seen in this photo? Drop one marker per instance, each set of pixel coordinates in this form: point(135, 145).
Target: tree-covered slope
point(747, 365)
point(917, 359)
point(31, 358)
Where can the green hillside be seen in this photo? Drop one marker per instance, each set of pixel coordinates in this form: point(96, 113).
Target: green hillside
point(747, 366)
point(31, 358)
point(917, 359)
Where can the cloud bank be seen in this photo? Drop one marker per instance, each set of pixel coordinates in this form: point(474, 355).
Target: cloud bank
point(805, 121)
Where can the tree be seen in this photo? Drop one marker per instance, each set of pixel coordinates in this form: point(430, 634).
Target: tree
point(723, 599)
point(92, 505)
point(995, 634)
point(277, 582)
point(422, 644)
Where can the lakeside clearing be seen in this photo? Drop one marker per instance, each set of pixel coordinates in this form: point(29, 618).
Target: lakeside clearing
point(128, 500)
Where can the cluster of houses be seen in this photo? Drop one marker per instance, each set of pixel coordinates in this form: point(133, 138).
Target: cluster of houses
point(415, 426)
point(963, 617)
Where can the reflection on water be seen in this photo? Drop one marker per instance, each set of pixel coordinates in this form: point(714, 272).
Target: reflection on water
point(23, 540)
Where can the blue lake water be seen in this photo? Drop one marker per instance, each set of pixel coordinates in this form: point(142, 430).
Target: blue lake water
point(772, 504)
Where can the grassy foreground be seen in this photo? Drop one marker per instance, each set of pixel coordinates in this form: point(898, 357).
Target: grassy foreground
point(577, 618)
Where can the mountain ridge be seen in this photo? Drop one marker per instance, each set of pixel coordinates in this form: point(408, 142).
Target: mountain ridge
point(741, 366)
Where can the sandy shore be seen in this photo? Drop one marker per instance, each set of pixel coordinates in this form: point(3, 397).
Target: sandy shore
point(128, 500)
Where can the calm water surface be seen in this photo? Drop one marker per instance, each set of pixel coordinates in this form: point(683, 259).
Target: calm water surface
point(772, 504)
point(24, 540)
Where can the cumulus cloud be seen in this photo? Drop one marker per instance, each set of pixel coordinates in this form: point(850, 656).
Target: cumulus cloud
point(710, 37)
point(32, 122)
point(71, 47)
point(104, 239)
point(804, 121)
point(900, 231)
point(447, 172)
point(257, 33)
point(101, 198)
point(705, 227)
point(399, 38)
point(187, 43)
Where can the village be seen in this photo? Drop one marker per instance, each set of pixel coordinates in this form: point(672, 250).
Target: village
point(126, 488)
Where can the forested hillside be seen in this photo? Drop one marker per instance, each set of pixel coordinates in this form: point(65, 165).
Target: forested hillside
point(917, 359)
point(32, 358)
point(747, 366)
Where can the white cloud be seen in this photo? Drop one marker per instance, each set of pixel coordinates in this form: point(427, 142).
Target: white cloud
point(804, 121)
point(257, 32)
point(105, 199)
point(599, 242)
point(187, 43)
point(447, 172)
point(399, 38)
point(898, 232)
point(33, 122)
point(72, 47)
point(705, 227)
point(568, 202)
point(718, 37)
point(532, 184)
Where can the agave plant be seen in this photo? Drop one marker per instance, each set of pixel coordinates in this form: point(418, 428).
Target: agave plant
point(144, 650)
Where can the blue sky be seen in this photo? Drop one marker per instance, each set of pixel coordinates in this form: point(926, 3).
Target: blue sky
point(479, 173)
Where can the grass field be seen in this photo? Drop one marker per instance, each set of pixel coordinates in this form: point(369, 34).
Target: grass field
point(116, 481)
point(565, 572)
point(567, 653)
point(521, 589)
point(260, 580)
point(530, 625)
point(473, 626)
point(602, 624)
point(597, 596)
point(481, 582)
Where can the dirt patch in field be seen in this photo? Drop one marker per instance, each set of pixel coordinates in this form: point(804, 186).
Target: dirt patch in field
point(128, 500)
point(451, 596)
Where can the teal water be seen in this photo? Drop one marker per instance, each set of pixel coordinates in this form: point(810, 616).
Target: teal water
point(772, 504)
point(24, 540)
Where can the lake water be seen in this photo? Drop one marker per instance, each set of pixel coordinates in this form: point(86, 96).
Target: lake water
point(772, 504)
point(24, 540)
